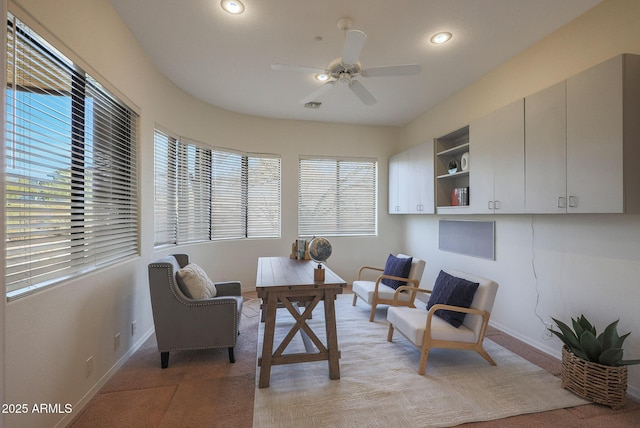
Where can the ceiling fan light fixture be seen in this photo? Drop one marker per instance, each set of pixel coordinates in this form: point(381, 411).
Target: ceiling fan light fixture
point(322, 77)
point(234, 7)
point(441, 37)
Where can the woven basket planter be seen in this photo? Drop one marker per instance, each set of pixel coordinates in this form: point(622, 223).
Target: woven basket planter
point(596, 382)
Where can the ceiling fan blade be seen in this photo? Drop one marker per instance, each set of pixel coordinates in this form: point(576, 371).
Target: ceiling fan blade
point(393, 70)
point(352, 46)
point(361, 92)
point(283, 67)
point(315, 94)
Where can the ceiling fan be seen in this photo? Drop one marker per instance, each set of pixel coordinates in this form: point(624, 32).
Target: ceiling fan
point(346, 69)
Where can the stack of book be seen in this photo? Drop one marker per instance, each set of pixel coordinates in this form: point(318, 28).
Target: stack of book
point(300, 250)
point(460, 196)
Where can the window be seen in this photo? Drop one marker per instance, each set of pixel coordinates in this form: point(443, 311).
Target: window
point(70, 172)
point(204, 194)
point(337, 197)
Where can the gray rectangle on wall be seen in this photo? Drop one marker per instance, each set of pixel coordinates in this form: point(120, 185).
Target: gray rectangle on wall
point(469, 237)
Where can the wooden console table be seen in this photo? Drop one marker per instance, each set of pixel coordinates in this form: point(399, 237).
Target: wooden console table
point(282, 280)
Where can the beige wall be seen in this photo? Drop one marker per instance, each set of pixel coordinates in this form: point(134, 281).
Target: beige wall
point(568, 264)
point(50, 334)
point(583, 263)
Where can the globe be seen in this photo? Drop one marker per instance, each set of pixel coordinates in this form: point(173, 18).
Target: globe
point(319, 249)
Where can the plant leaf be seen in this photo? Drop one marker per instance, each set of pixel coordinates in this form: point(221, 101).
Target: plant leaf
point(563, 338)
point(577, 327)
point(628, 362)
point(570, 338)
point(611, 357)
point(591, 346)
point(580, 354)
point(609, 337)
point(587, 325)
point(620, 340)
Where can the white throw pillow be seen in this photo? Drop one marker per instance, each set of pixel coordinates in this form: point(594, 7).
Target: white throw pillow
point(197, 282)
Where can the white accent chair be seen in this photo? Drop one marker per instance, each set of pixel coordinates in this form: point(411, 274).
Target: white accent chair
point(376, 293)
point(427, 331)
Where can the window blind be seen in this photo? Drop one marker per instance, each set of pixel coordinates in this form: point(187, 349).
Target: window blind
point(165, 189)
point(229, 192)
point(70, 172)
point(194, 193)
point(337, 197)
point(214, 194)
point(263, 197)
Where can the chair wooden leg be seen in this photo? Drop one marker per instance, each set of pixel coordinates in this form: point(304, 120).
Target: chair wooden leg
point(232, 359)
point(373, 312)
point(355, 298)
point(390, 333)
point(164, 359)
point(423, 361)
point(486, 356)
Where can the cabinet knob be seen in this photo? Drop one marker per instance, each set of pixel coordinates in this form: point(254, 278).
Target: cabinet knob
point(573, 201)
point(490, 205)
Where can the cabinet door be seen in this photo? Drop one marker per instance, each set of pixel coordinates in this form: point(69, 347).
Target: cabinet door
point(481, 134)
point(399, 182)
point(508, 159)
point(496, 183)
point(394, 182)
point(595, 139)
point(545, 145)
point(420, 159)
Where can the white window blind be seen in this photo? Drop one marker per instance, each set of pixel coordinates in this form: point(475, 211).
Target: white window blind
point(166, 190)
point(194, 193)
point(70, 172)
point(337, 197)
point(263, 197)
point(217, 193)
point(228, 199)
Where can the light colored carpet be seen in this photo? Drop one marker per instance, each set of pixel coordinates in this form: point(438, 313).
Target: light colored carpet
point(380, 386)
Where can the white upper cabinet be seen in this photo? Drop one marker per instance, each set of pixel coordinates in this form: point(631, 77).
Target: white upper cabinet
point(546, 150)
point(411, 181)
point(496, 183)
point(602, 117)
point(582, 141)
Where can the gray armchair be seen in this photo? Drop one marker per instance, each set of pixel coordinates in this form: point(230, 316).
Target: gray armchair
point(182, 323)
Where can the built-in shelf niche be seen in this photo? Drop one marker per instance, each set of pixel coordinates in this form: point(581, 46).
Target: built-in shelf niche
point(451, 146)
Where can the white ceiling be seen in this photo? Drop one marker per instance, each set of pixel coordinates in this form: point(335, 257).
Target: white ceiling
point(226, 59)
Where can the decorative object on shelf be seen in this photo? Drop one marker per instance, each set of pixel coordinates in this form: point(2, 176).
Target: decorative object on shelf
point(464, 161)
point(319, 251)
point(592, 365)
point(453, 166)
point(459, 196)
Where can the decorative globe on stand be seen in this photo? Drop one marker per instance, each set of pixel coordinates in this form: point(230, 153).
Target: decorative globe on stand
point(319, 251)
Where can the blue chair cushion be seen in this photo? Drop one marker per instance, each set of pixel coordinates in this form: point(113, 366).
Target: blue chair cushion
point(396, 266)
point(454, 291)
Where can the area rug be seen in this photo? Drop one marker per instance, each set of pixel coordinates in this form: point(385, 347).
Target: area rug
point(380, 385)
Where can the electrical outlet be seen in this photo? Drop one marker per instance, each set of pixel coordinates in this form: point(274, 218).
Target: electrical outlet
point(547, 328)
point(88, 367)
point(133, 328)
point(116, 341)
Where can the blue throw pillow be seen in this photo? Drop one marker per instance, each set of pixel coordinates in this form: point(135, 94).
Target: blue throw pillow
point(454, 291)
point(396, 266)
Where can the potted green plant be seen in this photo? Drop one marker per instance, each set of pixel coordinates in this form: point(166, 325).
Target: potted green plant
point(452, 167)
point(592, 364)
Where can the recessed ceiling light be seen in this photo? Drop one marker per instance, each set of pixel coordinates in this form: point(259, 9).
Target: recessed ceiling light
point(441, 37)
point(232, 6)
point(322, 77)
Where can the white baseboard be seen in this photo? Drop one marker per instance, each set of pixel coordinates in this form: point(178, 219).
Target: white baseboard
point(79, 406)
